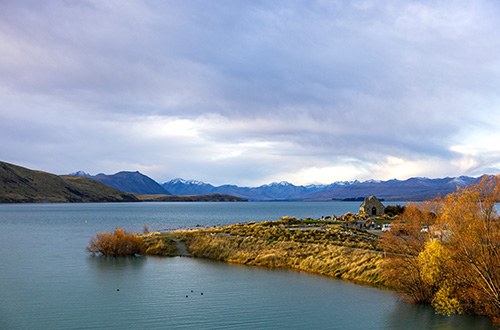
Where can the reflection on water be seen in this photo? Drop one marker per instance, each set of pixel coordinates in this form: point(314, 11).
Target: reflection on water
point(418, 316)
point(112, 264)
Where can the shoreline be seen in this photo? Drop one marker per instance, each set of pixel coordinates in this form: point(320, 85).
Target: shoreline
point(326, 249)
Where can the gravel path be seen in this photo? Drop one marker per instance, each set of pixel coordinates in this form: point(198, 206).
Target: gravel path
point(181, 248)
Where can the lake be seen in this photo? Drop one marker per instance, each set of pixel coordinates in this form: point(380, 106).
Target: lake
point(48, 281)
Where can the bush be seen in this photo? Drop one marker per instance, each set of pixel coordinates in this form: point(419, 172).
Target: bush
point(394, 210)
point(118, 244)
point(289, 221)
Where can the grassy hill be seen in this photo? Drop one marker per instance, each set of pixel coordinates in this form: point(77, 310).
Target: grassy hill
point(22, 185)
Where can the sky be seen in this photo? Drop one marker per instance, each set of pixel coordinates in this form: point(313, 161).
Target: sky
point(252, 92)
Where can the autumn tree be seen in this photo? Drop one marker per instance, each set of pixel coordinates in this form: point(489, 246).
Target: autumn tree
point(434, 263)
point(470, 225)
point(403, 244)
point(447, 252)
point(117, 244)
point(393, 210)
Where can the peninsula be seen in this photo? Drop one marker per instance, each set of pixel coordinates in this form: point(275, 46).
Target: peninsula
point(316, 246)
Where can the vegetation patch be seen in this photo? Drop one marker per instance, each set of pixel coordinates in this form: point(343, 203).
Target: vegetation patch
point(21, 185)
point(159, 244)
point(446, 252)
point(120, 243)
point(290, 243)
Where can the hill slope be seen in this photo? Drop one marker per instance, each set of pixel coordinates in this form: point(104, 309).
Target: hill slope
point(22, 185)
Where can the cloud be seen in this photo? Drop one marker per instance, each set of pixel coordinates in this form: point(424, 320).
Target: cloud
point(251, 92)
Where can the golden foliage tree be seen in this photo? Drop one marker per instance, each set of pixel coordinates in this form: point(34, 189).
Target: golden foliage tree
point(403, 244)
point(117, 244)
point(470, 227)
point(447, 252)
point(434, 262)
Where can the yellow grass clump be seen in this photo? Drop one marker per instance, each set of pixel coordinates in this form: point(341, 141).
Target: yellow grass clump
point(159, 244)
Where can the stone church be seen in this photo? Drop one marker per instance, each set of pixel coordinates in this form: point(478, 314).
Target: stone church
point(372, 206)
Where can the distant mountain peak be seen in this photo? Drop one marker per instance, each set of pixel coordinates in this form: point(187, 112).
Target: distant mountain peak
point(278, 184)
point(345, 183)
point(128, 181)
point(181, 186)
point(183, 181)
point(81, 173)
point(461, 181)
point(372, 181)
point(177, 180)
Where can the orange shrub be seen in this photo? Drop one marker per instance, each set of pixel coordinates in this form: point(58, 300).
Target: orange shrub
point(117, 244)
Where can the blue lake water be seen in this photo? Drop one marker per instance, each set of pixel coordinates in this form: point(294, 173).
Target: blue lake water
point(48, 281)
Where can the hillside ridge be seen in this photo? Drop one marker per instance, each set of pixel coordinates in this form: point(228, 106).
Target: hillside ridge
point(127, 181)
point(22, 185)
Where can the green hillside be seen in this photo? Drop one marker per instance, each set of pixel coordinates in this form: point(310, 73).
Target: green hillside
point(22, 185)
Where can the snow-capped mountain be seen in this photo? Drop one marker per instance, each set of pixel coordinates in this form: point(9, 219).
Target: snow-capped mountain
point(412, 189)
point(273, 191)
point(188, 187)
point(81, 173)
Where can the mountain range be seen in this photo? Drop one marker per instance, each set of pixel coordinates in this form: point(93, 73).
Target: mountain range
point(22, 185)
point(413, 189)
point(18, 184)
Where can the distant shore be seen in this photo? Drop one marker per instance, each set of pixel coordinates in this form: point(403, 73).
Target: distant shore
point(190, 198)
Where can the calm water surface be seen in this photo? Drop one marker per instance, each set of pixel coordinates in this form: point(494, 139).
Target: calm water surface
point(48, 281)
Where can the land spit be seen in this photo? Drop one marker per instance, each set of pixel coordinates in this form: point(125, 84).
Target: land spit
point(324, 248)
